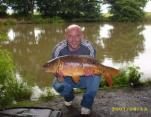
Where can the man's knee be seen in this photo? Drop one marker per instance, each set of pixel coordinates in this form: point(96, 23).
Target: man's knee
point(59, 87)
point(67, 90)
point(63, 88)
point(93, 85)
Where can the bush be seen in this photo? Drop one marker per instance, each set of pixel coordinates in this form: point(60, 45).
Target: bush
point(7, 74)
point(10, 88)
point(134, 76)
point(127, 10)
point(20, 90)
point(129, 76)
point(7, 68)
point(121, 80)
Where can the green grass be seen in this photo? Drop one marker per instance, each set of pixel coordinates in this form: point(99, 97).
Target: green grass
point(38, 19)
point(25, 103)
point(34, 19)
point(56, 19)
point(3, 37)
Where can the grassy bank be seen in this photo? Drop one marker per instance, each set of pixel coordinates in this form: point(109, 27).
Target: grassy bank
point(37, 19)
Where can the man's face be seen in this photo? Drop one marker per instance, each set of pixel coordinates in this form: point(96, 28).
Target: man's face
point(74, 37)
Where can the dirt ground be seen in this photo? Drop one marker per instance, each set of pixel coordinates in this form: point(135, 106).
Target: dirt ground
point(125, 102)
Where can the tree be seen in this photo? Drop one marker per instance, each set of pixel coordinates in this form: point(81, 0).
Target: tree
point(69, 9)
point(22, 7)
point(3, 8)
point(49, 7)
point(81, 9)
point(127, 10)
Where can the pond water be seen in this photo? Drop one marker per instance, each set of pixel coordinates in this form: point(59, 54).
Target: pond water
point(117, 45)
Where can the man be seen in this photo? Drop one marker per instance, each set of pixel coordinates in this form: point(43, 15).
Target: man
point(75, 44)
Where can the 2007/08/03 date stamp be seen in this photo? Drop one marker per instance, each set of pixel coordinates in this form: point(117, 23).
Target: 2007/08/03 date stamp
point(134, 109)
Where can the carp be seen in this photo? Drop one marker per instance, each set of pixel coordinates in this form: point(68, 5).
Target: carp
point(78, 65)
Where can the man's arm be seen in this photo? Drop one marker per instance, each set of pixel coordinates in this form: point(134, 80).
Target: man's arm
point(56, 53)
point(92, 53)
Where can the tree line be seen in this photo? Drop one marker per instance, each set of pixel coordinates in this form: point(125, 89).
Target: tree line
point(122, 10)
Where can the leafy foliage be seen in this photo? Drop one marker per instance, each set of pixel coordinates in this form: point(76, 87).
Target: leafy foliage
point(49, 7)
point(10, 88)
point(3, 37)
point(128, 77)
point(6, 76)
point(69, 9)
point(121, 10)
point(3, 9)
point(134, 76)
point(22, 7)
point(127, 10)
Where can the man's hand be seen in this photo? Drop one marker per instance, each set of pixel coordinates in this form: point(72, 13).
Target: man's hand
point(59, 76)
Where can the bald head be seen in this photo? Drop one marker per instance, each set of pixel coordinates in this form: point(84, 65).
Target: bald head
point(73, 27)
point(74, 35)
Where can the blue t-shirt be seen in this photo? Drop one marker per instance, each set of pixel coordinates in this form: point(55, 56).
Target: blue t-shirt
point(62, 49)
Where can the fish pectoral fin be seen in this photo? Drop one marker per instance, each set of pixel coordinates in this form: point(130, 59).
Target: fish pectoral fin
point(76, 79)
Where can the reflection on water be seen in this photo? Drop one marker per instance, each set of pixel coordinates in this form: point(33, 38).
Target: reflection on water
point(11, 34)
point(18, 77)
point(104, 33)
point(117, 44)
point(143, 59)
point(38, 33)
